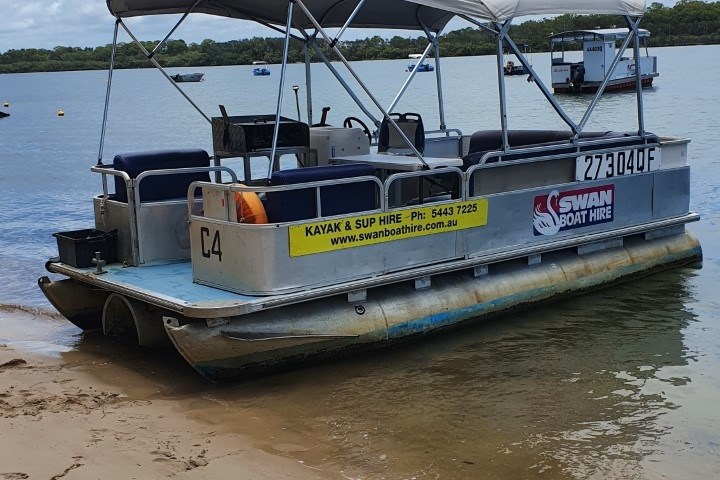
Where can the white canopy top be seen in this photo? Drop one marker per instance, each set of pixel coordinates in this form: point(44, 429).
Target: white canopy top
point(402, 14)
point(501, 10)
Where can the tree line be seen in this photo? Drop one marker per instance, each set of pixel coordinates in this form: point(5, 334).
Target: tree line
point(689, 22)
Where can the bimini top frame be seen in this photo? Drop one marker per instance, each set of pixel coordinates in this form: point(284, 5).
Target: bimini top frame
point(431, 16)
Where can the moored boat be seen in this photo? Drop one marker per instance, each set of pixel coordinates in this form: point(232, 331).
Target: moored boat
point(4, 114)
point(367, 241)
point(511, 69)
point(598, 51)
point(261, 70)
point(417, 62)
point(188, 77)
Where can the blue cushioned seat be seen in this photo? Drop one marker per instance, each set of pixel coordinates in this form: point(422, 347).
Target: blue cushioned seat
point(160, 187)
point(340, 199)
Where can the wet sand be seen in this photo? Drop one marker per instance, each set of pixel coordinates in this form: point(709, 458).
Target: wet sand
point(80, 415)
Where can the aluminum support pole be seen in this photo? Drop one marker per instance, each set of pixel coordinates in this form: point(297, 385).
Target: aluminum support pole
point(438, 81)
point(605, 81)
point(276, 130)
point(182, 19)
point(347, 23)
point(107, 94)
point(409, 78)
point(308, 84)
point(638, 76)
point(438, 76)
point(342, 81)
point(502, 30)
point(362, 84)
point(162, 70)
point(548, 95)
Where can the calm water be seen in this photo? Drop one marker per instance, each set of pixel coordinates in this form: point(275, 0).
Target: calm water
point(622, 383)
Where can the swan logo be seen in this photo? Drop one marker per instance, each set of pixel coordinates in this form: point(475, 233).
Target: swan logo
point(559, 211)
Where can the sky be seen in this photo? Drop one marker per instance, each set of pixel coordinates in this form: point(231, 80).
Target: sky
point(88, 23)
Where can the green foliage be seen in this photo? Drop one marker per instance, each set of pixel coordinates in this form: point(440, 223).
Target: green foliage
point(689, 22)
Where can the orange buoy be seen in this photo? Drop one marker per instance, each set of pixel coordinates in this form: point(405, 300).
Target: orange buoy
point(250, 208)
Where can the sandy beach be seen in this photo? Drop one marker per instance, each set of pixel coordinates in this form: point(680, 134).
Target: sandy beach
point(61, 419)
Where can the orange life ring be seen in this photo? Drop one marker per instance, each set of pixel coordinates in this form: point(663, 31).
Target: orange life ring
point(249, 208)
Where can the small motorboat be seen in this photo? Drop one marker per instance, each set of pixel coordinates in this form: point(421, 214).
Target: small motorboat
point(3, 114)
point(416, 64)
point(261, 70)
point(599, 48)
point(188, 77)
point(511, 68)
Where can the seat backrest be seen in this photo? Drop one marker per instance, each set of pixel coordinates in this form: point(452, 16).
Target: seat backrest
point(411, 125)
point(160, 187)
point(292, 205)
point(486, 141)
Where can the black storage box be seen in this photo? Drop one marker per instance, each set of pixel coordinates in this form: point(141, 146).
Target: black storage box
point(238, 135)
point(77, 248)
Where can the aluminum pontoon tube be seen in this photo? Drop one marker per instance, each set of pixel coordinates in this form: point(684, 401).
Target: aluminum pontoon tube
point(331, 326)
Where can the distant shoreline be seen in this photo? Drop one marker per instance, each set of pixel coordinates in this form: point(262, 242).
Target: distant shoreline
point(688, 23)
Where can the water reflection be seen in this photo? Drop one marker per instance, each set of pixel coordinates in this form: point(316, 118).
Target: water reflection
point(572, 390)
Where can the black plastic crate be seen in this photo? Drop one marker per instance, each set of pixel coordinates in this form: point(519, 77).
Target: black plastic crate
point(77, 248)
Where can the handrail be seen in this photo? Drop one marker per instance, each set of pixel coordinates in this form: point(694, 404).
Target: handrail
point(109, 170)
point(295, 186)
point(577, 146)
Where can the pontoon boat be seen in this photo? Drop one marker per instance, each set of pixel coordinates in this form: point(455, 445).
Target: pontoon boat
point(372, 240)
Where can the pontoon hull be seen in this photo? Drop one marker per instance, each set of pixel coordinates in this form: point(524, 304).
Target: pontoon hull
point(76, 301)
point(321, 328)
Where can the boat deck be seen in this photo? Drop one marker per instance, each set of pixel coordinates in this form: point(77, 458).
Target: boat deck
point(169, 285)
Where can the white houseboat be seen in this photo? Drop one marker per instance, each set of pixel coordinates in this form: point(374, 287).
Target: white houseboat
point(366, 242)
point(599, 48)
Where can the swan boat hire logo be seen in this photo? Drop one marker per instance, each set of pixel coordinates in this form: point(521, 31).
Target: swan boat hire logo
point(560, 211)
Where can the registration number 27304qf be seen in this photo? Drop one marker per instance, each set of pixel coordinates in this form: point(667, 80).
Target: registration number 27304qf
point(617, 164)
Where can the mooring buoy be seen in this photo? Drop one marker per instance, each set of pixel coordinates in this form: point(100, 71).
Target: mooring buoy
point(6, 104)
point(60, 113)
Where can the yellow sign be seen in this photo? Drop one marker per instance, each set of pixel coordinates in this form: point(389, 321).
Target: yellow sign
point(329, 235)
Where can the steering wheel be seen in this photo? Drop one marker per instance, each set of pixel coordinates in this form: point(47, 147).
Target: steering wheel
point(347, 123)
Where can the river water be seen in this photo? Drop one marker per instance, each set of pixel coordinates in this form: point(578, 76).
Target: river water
point(621, 383)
